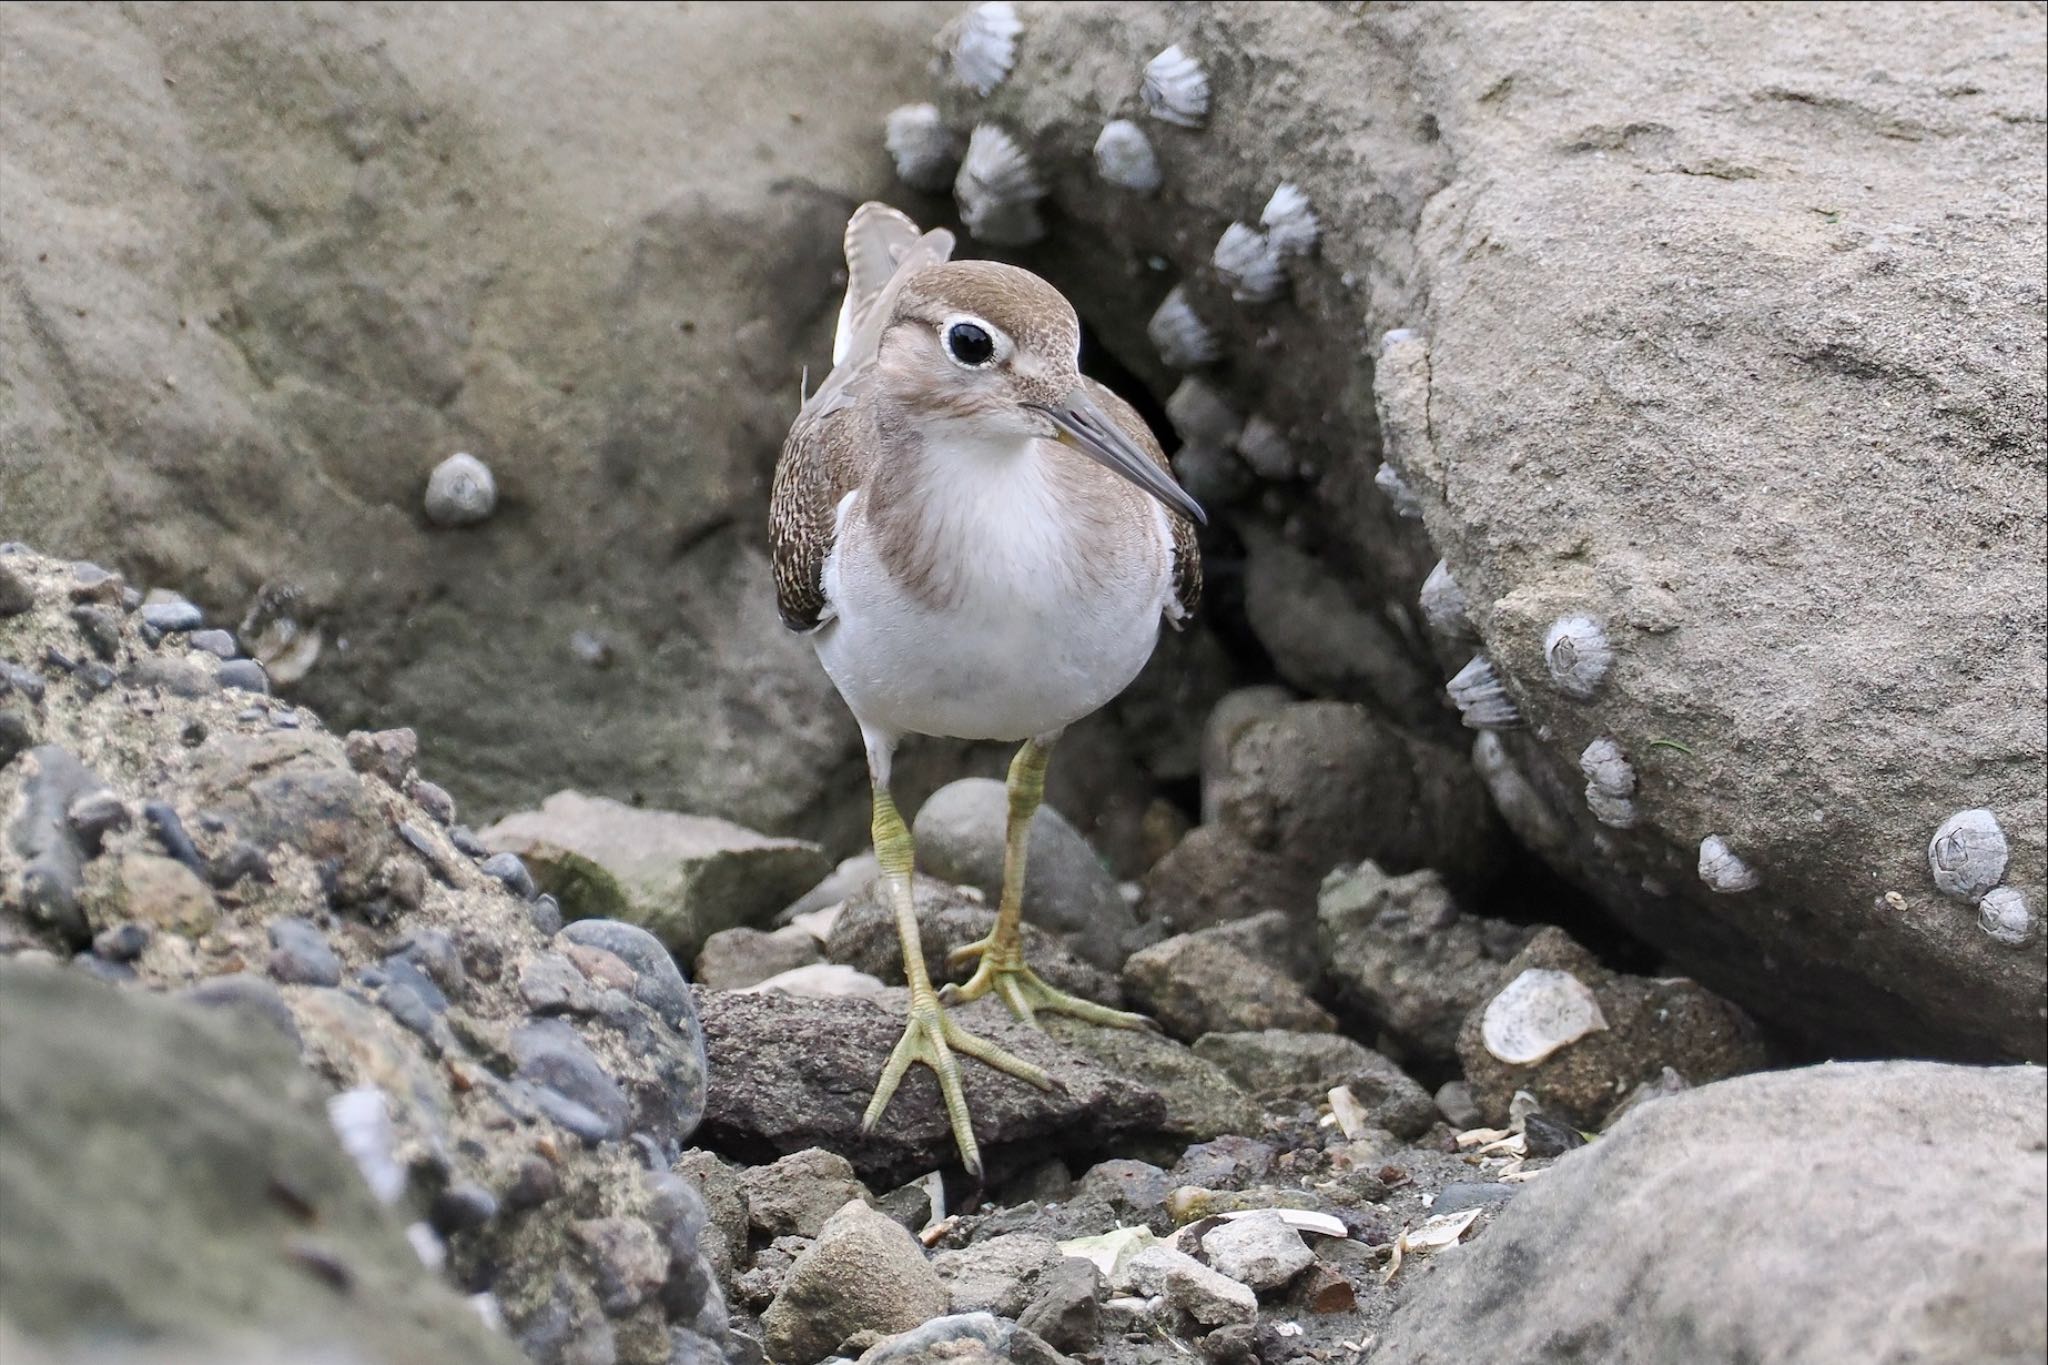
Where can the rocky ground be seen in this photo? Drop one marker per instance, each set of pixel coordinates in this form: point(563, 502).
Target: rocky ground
point(433, 920)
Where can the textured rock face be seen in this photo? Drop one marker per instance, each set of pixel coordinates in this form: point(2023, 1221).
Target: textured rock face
point(1695, 350)
point(1802, 1265)
point(170, 1176)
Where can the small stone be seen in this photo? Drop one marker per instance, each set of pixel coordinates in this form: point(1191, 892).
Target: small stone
point(461, 492)
point(14, 677)
point(736, 958)
point(796, 1195)
point(244, 675)
point(172, 616)
point(1259, 1250)
point(573, 1087)
point(434, 952)
point(101, 629)
point(997, 1274)
point(16, 596)
point(219, 643)
point(300, 954)
point(864, 1273)
point(1310, 1065)
point(550, 984)
point(510, 869)
point(464, 1206)
point(630, 1262)
point(121, 942)
point(1202, 983)
point(434, 800)
point(388, 754)
point(165, 894)
point(1454, 1102)
point(658, 984)
point(94, 816)
point(15, 736)
point(1206, 1296)
point(546, 914)
point(1067, 1310)
point(1136, 1190)
point(250, 995)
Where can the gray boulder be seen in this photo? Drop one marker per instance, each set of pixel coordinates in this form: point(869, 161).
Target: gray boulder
point(1728, 467)
point(1278, 1064)
point(1821, 1249)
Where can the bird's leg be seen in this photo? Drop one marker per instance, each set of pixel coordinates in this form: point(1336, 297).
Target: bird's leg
point(1002, 968)
point(930, 1036)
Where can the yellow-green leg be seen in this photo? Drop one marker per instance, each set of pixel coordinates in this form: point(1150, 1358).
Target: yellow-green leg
point(931, 1036)
point(1002, 968)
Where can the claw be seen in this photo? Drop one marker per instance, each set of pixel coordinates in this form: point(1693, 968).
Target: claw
point(1025, 991)
point(930, 1036)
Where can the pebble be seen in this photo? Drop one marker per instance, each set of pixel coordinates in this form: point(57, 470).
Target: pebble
point(546, 914)
point(388, 754)
point(1260, 1250)
point(510, 869)
point(464, 1206)
point(629, 1260)
point(794, 1196)
point(461, 492)
point(864, 1273)
point(659, 985)
point(300, 954)
point(173, 616)
point(550, 984)
point(572, 1086)
point(434, 800)
point(464, 838)
point(1204, 1295)
point(95, 676)
point(1067, 1311)
point(23, 680)
point(434, 952)
point(170, 833)
point(244, 675)
point(94, 816)
point(101, 629)
point(121, 942)
point(15, 736)
point(219, 643)
point(16, 596)
point(250, 994)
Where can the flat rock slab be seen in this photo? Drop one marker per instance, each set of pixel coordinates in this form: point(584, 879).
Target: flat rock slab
point(789, 1072)
point(681, 877)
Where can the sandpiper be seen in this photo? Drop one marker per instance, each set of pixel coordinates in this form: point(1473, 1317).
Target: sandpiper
point(980, 543)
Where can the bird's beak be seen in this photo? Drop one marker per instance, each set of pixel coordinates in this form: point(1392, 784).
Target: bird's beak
point(1079, 421)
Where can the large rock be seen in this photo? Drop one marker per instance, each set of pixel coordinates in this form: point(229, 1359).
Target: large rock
point(171, 1177)
point(681, 877)
point(1692, 350)
point(1823, 1248)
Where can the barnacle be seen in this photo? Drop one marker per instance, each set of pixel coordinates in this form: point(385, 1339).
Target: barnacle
point(1967, 854)
point(998, 190)
point(1579, 656)
point(1389, 481)
point(1444, 605)
point(1124, 157)
point(1290, 221)
point(926, 152)
point(1247, 262)
point(1182, 339)
point(983, 45)
point(1722, 870)
point(1176, 89)
point(1481, 698)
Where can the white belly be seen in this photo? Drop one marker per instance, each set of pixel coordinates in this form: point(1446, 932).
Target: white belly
point(1021, 642)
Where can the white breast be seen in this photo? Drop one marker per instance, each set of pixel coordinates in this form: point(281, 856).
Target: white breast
point(1021, 630)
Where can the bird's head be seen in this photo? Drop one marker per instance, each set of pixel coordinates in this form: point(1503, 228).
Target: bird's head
point(985, 352)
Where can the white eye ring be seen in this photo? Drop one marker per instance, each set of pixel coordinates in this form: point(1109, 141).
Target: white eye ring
point(1000, 345)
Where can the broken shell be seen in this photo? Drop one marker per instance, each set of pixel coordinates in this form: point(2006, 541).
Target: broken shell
point(1967, 854)
point(984, 45)
point(1537, 1013)
point(1176, 89)
point(2003, 914)
point(1247, 262)
point(1201, 416)
point(1290, 221)
point(1124, 157)
point(1481, 698)
point(1607, 767)
point(1266, 450)
point(926, 152)
point(1183, 340)
point(1579, 656)
point(1389, 481)
point(1444, 605)
point(1722, 870)
point(998, 191)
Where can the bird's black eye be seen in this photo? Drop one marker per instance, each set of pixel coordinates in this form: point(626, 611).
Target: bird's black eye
point(970, 345)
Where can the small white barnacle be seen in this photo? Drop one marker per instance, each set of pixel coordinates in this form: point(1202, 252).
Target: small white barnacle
point(925, 150)
point(1481, 698)
point(1615, 812)
point(1247, 262)
point(1399, 336)
point(1124, 157)
point(998, 190)
point(981, 45)
point(1389, 481)
point(1607, 767)
point(1182, 339)
point(1266, 449)
point(1201, 415)
point(1537, 1013)
point(2003, 914)
point(1444, 605)
point(1290, 221)
point(1967, 854)
point(1722, 870)
point(1579, 656)
point(1176, 89)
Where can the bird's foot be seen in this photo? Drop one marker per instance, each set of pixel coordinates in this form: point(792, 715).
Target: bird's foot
point(931, 1037)
point(1002, 973)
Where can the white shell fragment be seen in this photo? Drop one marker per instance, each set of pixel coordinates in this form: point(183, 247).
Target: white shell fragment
point(1444, 605)
point(1176, 89)
point(1290, 221)
point(1265, 448)
point(1247, 262)
point(361, 1119)
point(1124, 157)
point(1537, 1013)
point(984, 45)
point(1481, 698)
point(925, 150)
point(1201, 415)
point(1182, 339)
point(1610, 783)
point(998, 190)
point(1722, 870)
point(1301, 1220)
point(2003, 914)
point(1389, 481)
point(1399, 336)
point(461, 492)
point(1579, 656)
point(1967, 854)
